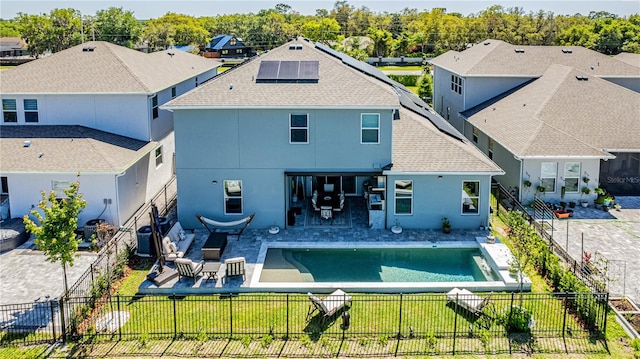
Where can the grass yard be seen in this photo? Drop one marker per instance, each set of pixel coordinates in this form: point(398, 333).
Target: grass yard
point(399, 68)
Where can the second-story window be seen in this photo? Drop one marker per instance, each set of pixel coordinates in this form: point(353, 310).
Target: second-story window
point(30, 110)
point(173, 92)
point(370, 128)
point(475, 135)
point(158, 156)
point(456, 84)
point(154, 106)
point(490, 151)
point(9, 110)
point(298, 128)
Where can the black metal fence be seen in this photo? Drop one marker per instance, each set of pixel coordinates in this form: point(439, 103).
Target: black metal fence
point(418, 323)
point(542, 219)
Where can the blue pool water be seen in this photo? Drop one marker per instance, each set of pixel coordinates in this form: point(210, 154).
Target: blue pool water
point(376, 265)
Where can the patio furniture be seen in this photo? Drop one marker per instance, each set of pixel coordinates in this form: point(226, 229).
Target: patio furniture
point(314, 201)
point(467, 300)
point(170, 250)
point(177, 242)
point(340, 206)
point(188, 268)
point(210, 270)
point(235, 267)
point(214, 246)
point(332, 304)
point(326, 212)
point(244, 222)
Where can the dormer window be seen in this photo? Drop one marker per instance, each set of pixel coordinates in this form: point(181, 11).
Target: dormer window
point(232, 42)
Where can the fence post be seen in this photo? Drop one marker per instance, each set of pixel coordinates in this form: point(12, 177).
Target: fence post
point(175, 317)
point(455, 326)
point(606, 309)
point(400, 320)
point(510, 310)
point(63, 329)
point(287, 315)
point(564, 318)
point(230, 316)
point(119, 323)
point(91, 268)
point(53, 322)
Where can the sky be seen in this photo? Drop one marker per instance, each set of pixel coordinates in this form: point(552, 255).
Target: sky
point(147, 9)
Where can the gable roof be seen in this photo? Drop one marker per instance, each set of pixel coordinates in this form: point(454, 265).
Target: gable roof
point(498, 58)
point(220, 41)
point(67, 149)
point(107, 68)
point(559, 115)
point(12, 43)
point(338, 86)
point(629, 58)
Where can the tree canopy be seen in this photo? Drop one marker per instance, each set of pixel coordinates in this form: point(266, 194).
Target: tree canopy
point(409, 32)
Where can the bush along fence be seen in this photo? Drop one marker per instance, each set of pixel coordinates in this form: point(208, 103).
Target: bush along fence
point(545, 252)
point(385, 324)
point(41, 321)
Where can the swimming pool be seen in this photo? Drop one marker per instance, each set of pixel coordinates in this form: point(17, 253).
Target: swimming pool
point(376, 265)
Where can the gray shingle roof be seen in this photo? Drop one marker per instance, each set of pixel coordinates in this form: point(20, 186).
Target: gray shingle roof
point(67, 149)
point(559, 115)
point(108, 68)
point(500, 59)
point(338, 85)
point(418, 146)
point(631, 59)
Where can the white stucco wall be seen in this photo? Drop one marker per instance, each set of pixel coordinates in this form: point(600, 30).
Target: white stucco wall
point(590, 167)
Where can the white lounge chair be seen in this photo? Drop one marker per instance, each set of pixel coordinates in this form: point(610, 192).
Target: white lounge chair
point(467, 300)
point(330, 305)
point(235, 267)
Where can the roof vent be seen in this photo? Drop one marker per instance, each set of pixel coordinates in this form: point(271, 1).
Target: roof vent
point(519, 51)
point(298, 47)
point(486, 43)
point(26, 144)
point(88, 49)
point(171, 54)
point(582, 78)
point(292, 47)
point(567, 51)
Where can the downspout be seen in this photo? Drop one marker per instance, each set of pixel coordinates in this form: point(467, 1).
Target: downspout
point(118, 197)
point(521, 179)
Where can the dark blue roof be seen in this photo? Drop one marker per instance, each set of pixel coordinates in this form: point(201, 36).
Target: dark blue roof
point(219, 41)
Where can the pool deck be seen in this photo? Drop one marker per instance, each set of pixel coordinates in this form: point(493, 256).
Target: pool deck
point(253, 242)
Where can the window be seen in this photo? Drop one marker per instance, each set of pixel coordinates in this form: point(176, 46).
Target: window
point(225, 52)
point(233, 197)
point(475, 135)
point(9, 110)
point(470, 197)
point(238, 51)
point(154, 106)
point(571, 177)
point(404, 197)
point(233, 41)
point(158, 156)
point(370, 128)
point(548, 172)
point(30, 110)
point(298, 128)
point(173, 92)
point(490, 150)
point(5, 185)
point(456, 84)
point(197, 82)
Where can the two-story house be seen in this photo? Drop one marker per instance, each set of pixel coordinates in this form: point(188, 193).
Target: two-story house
point(227, 46)
point(303, 118)
point(107, 97)
point(472, 80)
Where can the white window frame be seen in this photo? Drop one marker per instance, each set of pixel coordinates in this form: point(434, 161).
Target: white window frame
point(362, 128)
point(468, 198)
point(490, 148)
point(31, 111)
point(568, 175)
point(474, 134)
point(456, 84)
point(400, 192)
point(298, 128)
point(158, 155)
point(545, 175)
point(154, 107)
point(6, 109)
point(174, 92)
point(227, 196)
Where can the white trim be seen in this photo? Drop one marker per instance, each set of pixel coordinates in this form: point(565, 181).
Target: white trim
point(225, 197)
point(369, 128)
point(291, 128)
point(477, 213)
point(436, 173)
point(395, 198)
point(275, 107)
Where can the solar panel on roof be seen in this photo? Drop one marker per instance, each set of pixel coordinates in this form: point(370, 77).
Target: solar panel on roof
point(308, 70)
point(268, 70)
point(288, 70)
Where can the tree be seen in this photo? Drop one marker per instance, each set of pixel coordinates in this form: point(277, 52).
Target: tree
point(55, 230)
point(117, 26)
point(425, 87)
point(34, 30)
point(9, 29)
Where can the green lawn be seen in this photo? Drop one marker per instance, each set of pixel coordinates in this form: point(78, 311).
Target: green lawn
point(399, 68)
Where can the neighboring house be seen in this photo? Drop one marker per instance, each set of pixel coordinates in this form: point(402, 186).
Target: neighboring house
point(631, 59)
point(494, 70)
point(558, 129)
point(227, 46)
point(303, 115)
point(13, 47)
point(110, 168)
point(105, 87)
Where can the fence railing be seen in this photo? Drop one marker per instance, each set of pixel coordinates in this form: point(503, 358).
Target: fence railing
point(542, 219)
point(436, 322)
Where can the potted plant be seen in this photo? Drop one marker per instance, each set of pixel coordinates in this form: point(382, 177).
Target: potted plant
point(541, 189)
point(446, 225)
point(526, 183)
point(585, 179)
point(396, 229)
point(585, 191)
